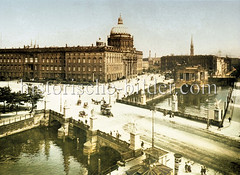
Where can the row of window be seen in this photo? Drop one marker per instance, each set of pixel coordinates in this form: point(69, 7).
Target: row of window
point(84, 69)
point(114, 60)
point(191, 76)
point(11, 74)
point(31, 60)
point(73, 76)
point(51, 68)
point(47, 60)
point(10, 67)
point(74, 60)
point(56, 68)
point(83, 53)
point(10, 60)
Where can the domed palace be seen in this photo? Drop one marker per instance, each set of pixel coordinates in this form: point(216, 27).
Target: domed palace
point(119, 36)
point(131, 59)
point(116, 60)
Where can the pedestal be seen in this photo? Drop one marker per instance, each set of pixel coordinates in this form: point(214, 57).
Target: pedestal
point(143, 99)
point(135, 141)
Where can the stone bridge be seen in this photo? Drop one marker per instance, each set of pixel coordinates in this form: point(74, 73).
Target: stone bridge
point(95, 139)
point(73, 129)
point(122, 147)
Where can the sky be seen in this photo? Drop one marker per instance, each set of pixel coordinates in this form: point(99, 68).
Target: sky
point(164, 27)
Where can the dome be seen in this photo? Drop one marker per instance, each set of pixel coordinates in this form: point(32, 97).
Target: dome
point(120, 28)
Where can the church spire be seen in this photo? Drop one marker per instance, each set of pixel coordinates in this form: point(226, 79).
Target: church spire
point(191, 47)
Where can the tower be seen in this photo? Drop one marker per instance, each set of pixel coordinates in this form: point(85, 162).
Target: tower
point(191, 48)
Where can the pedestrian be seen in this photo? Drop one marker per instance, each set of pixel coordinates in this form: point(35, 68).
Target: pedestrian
point(117, 134)
point(110, 132)
point(189, 167)
point(186, 167)
point(173, 115)
point(204, 170)
point(229, 119)
point(164, 112)
point(142, 144)
point(201, 170)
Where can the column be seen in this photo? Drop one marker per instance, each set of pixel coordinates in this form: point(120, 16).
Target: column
point(125, 70)
point(177, 161)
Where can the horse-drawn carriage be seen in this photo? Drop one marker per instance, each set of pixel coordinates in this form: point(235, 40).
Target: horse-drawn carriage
point(82, 114)
point(106, 110)
point(96, 102)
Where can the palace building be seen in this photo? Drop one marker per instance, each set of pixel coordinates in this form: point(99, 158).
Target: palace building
point(106, 62)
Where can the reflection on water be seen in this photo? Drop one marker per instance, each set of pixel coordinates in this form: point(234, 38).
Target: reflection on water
point(195, 104)
point(39, 151)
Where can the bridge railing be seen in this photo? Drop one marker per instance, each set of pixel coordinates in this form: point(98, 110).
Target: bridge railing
point(112, 138)
point(78, 123)
point(15, 119)
point(40, 111)
point(55, 113)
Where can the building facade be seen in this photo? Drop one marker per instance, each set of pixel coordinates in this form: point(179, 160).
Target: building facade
point(106, 62)
point(191, 75)
point(214, 64)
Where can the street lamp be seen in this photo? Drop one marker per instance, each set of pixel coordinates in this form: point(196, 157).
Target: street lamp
point(207, 114)
point(61, 98)
point(64, 108)
point(153, 117)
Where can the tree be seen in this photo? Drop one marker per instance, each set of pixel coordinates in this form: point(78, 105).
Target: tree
point(18, 99)
point(5, 95)
point(33, 95)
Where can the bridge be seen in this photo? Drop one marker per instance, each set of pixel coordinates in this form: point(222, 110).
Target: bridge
point(73, 129)
point(95, 139)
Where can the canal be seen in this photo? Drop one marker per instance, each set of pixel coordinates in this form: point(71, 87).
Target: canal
point(39, 151)
point(195, 104)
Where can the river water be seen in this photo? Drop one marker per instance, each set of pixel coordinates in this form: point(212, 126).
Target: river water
point(195, 104)
point(39, 151)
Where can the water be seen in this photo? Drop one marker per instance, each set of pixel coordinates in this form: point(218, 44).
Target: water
point(39, 151)
point(195, 104)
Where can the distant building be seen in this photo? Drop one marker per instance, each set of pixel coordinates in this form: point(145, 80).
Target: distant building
point(213, 64)
point(105, 62)
point(145, 64)
point(191, 75)
point(151, 63)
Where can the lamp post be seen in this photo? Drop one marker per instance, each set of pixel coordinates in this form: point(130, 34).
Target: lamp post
point(61, 99)
point(207, 114)
point(45, 105)
point(153, 118)
point(64, 108)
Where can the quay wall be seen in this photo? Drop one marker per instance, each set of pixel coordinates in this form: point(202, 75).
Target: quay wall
point(180, 114)
point(22, 125)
